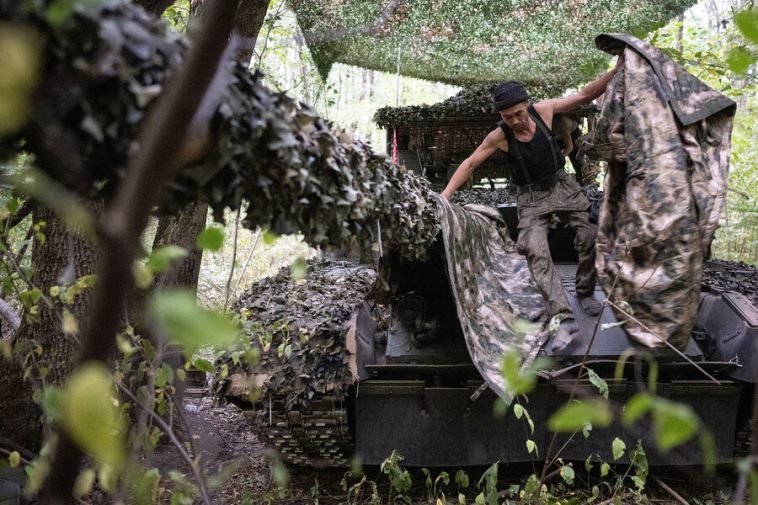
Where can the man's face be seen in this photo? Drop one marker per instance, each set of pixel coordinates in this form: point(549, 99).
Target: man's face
point(516, 116)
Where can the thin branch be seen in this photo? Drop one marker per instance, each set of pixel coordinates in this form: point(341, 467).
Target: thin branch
point(10, 444)
point(193, 464)
point(676, 496)
point(161, 140)
point(668, 344)
point(234, 259)
point(247, 261)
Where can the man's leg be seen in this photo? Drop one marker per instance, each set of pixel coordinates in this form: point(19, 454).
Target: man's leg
point(532, 243)
point(586, 273)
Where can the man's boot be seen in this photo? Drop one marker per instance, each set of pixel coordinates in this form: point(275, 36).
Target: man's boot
point(590, 306)
point(567, 332)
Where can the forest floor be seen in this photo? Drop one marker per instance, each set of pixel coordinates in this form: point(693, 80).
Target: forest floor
point(222, 436)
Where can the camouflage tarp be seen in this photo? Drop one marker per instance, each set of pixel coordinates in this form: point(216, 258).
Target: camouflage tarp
point(492, 288)
point(666, 136)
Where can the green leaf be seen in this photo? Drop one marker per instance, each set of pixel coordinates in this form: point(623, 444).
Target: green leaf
point(84, 482)
point(90, 417)
point(52, 402)
point(572, 416)
point(143, 277)
point(588, 463)
point(210, 239)
point(164, 257)
point(531, 446)
point(189, 325)
point(747, 22)
point(20, 61)
point(520, 380)
point(599, 383)
point(674, 423)
point(269, 237)
point(618, 448)
point(739, 59)
point(586, 429)
point(203, 365)
point(637, 406)
point(14, 459)
point(298, 269)
point(164, 375)
point(604, 469)
point(145, 492)
point(461, 479)
point(480, 500)
point(518, 410)
point(499, 408)
point(567, 474)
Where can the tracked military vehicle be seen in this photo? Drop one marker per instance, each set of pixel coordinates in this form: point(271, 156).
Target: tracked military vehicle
point(412, 386)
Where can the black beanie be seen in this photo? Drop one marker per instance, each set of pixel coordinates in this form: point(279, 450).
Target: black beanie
point(508, 94)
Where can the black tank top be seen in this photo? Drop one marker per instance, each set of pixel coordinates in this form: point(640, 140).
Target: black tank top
point(541, 155)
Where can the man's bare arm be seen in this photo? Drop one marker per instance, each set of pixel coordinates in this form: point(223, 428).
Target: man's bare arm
point(584, 95)
point(486, 149)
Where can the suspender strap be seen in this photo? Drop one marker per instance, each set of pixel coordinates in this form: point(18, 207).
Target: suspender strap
point(513, 145)
point(543, 128)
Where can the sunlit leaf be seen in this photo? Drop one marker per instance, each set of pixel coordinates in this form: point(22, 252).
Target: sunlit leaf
point(673, 424)
point(637, 406)
point(203, 365)
point(70, 324)
point(145, 490)
point(84, 482)
point(162, 258)
point(20, 61)
point(739, 59)
point(90, 417)
point(598, 382)
point(211, 239)
point(573, 415)
point(747, 22)
point(618, 448)
point(189, 325)
point(14, 459)
point(298, 269)
point(567, 474)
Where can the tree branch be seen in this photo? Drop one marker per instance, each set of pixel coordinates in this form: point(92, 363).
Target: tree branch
point(161, 141)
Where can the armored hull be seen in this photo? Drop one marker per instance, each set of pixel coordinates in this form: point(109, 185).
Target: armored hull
point(413, 387)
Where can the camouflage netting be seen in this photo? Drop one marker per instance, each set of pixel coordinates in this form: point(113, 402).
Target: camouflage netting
point(472, 101)
point(722, 275)
point(481, 196)
point(541, 43)
point(104, 66)
point(300, 327)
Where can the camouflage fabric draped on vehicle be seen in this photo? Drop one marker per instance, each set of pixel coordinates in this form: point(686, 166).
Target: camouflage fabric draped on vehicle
point(492, 288)
point(666, 138)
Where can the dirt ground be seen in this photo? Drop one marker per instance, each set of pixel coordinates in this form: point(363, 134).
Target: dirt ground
point(221, 436)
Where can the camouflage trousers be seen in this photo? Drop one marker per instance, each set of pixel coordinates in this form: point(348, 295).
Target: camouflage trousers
point(532, 243)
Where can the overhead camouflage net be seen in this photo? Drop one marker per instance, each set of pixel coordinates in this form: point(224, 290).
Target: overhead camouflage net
point(104, 66)
point(544, 44)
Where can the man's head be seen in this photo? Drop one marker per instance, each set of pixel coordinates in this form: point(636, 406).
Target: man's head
point(510, 99)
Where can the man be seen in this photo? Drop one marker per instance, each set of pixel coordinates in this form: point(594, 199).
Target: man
point(535, 163)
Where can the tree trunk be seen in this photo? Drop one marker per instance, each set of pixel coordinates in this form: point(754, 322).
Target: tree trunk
point(250, 16)
point(58, 260)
